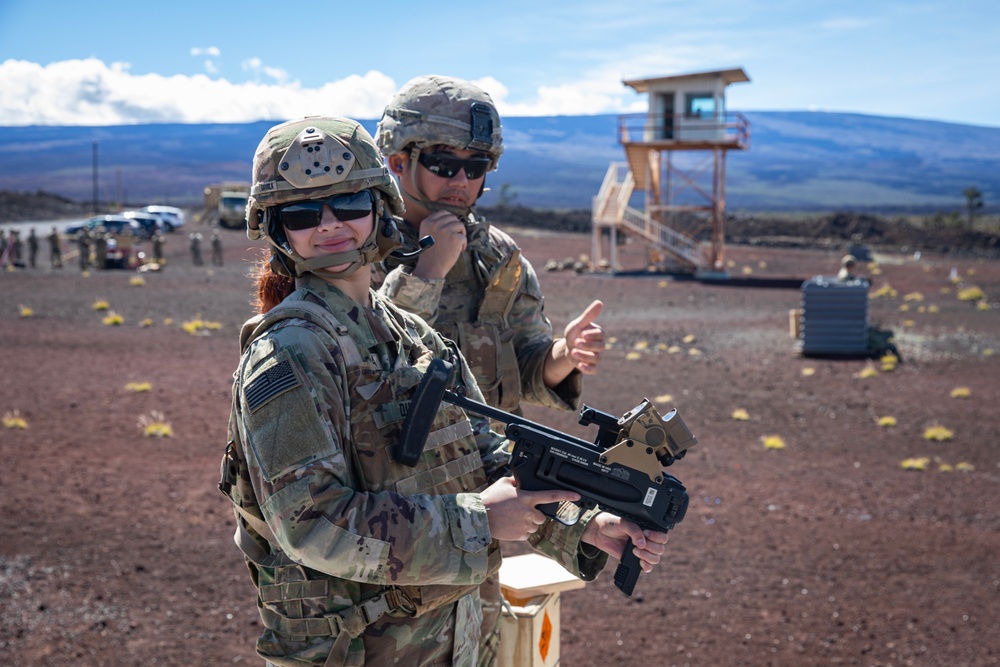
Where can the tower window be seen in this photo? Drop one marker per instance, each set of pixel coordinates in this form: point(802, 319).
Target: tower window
point(700, 105)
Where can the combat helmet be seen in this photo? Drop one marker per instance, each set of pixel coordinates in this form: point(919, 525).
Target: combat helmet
point(314, 158)
point(434, 110)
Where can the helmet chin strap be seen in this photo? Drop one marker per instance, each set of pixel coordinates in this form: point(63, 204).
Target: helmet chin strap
point(461, 212)
point(316, 265)
point(355, 259)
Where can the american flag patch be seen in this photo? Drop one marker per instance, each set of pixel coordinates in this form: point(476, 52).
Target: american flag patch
point(270, 383)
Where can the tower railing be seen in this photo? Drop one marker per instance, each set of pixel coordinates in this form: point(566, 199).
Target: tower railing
point(611, 210)
point(683, 130)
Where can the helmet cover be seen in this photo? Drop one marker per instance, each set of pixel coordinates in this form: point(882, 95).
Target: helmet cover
point(431, 110)
point(314, 158)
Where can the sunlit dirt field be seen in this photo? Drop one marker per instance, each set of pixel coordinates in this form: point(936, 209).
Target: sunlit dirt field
point(116, 546)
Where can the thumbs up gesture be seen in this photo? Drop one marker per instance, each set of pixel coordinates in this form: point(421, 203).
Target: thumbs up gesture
point(585, 339)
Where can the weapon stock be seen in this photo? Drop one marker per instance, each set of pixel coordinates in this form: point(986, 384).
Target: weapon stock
point(620, 473)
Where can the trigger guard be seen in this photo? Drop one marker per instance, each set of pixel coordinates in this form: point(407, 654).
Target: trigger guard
point(562, 513)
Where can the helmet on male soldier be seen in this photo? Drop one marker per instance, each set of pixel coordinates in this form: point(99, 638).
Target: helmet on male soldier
point(314, 158)
point(430, 110)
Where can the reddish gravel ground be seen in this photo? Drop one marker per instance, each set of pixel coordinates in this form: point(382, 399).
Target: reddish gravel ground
point(116, 547)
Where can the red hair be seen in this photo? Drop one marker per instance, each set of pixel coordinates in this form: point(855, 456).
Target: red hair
point(272, 288)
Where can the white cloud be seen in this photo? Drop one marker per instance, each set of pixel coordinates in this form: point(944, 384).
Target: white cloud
point(279, 75)
point(599, 92)
point(90, 92)
point(256, 66)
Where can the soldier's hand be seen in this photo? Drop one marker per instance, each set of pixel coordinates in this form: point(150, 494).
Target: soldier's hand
point(585, 339)
point(512, 512)
point(610, 534)
point(449, 243)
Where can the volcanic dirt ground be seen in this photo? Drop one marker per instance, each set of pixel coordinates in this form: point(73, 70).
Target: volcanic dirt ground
point(116, 547)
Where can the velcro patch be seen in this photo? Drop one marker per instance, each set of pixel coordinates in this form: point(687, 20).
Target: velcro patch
point(275, 380)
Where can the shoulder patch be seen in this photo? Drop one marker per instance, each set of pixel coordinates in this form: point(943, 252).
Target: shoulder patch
point(276, 380)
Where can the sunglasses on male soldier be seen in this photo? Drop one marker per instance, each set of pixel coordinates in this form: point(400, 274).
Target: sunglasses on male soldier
point(446, 166)
point(299, 215)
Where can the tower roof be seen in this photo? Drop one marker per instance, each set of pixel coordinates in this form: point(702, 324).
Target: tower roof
point(728, 76)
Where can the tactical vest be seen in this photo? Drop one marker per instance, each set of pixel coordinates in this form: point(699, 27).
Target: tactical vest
point(378, 403)
point(479, 323)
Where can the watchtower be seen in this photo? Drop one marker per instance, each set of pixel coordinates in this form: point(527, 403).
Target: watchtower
point(684, 195)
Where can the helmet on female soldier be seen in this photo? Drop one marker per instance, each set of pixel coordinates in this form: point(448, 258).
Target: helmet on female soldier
point(315, 158)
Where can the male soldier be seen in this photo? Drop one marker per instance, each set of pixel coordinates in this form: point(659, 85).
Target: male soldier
point(83, 245)
point(101, 247)
point(32, 247)
point(440, 135)
point(158, 242)
point(195, 238)
point(55, 249)
point(216, 248)
point(17, 256)
point(846, 272)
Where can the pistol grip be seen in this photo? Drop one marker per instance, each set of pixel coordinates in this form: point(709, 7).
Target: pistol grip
point(628, 570)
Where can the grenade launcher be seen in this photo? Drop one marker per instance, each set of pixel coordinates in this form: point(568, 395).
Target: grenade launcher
point(621, 472)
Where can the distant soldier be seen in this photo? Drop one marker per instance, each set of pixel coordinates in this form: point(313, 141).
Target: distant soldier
point(55, 249)
point(216, 248)
point(846, 272)
point(158, 242)
point(32, 247)
point(101, 247)
point(126, 244)
point(17, 256)
point(195, 238)
point(83, 245)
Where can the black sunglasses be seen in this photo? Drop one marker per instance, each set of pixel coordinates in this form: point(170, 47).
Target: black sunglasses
point(300, 215)
point(446, 166)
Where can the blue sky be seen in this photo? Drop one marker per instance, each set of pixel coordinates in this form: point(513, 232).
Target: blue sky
point(110, 62)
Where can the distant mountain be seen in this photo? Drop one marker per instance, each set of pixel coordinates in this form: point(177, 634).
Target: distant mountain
point(804, 161)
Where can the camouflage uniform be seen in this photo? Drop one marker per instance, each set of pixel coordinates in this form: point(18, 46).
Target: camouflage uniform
point(490, 302)
point(347, 523)
point(491, 305)
point(83, 245)
point(55, 249)
point(158, 242)
point(32, 248)
point(216, 248)
point(358, 559)
point(195, 238)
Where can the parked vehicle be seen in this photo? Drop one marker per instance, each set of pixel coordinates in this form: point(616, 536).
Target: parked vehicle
point(150, 223)
point(170, 217)
point(226, 204)
point(116, 224)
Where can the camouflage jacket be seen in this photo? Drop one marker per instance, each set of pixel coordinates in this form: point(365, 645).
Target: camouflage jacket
point(491, 305)
point(346, 523)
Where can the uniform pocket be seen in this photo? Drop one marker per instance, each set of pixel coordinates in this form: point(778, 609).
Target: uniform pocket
point(283, 427)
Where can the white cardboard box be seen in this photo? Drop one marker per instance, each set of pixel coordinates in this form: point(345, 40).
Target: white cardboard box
point(529, 625)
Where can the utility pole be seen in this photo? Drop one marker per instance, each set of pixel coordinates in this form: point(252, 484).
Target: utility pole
point(95, 179)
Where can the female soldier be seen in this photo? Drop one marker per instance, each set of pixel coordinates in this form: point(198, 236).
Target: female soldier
point(357, 558)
